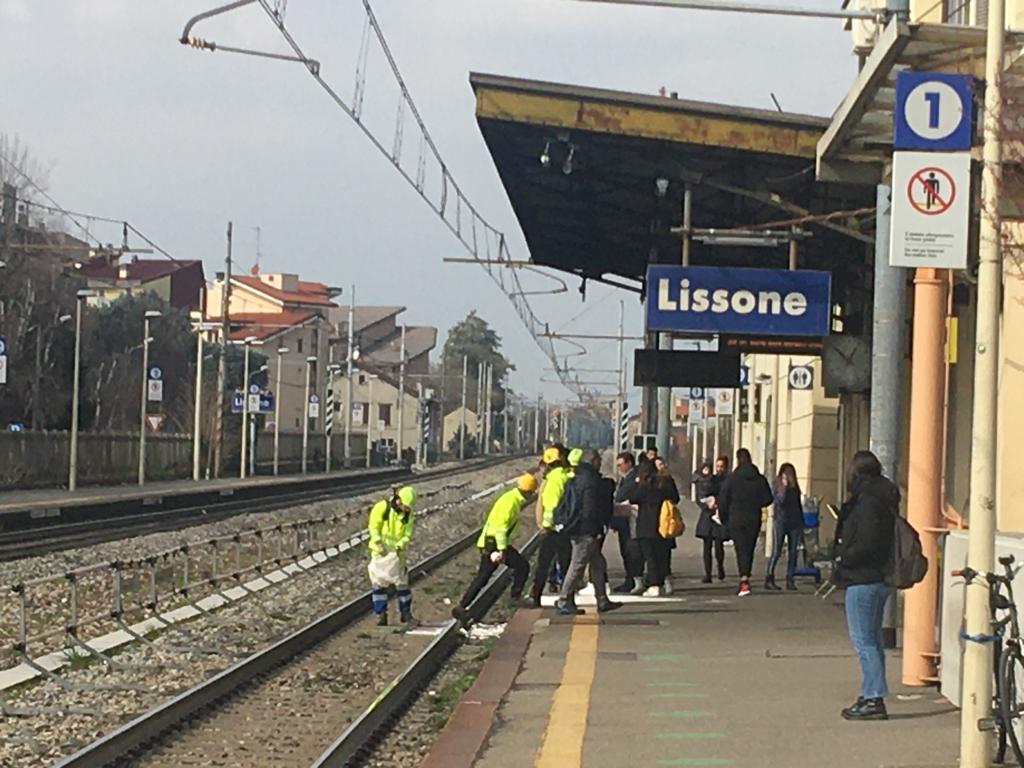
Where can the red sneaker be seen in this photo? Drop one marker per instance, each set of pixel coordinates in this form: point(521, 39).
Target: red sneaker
point(744, 589)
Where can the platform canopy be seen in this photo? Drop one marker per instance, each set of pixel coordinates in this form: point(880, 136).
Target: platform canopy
point(857, 145)
point(586, 169)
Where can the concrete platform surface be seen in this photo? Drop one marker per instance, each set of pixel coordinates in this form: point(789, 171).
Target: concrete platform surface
point(708, 679)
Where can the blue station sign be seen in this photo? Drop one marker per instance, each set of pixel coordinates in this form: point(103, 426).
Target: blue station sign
point(933, 111)
point(776, 302)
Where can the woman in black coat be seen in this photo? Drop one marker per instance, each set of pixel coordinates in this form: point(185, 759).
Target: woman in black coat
point(864, 541)
point(709, 525)
point(649, 493)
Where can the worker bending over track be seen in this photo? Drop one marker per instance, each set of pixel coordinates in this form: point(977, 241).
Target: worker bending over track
point(390, 529)
point(500, 528)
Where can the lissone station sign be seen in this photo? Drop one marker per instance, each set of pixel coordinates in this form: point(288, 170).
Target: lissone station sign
point(723, 300)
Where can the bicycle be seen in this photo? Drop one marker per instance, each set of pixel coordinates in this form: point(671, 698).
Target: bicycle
point(1008, 660)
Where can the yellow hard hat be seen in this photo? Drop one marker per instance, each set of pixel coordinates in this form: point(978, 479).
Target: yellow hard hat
point(574, 457)
point(527, 483)
point(551, 455)
point(407, 496)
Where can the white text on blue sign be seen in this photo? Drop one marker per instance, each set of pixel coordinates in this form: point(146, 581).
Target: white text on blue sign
point(738, 301)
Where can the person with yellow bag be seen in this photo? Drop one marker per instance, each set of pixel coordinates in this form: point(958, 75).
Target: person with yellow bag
point(390, 527)
point(650, 493)
point(495, 544)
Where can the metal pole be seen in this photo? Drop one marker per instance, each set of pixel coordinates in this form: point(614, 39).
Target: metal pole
point(536, 425)
point(504, 440)
point(145, 393)
point(245, 413)
point(547, 423)
point(252, 445)
point(419, 423)
point(401, 399)
point(369, 420)
point(73, 458)
point(348, 376)
point(329, 417)
point(489, 426)
point(771, 10)
point(462, 417)
point(277, 411)
point(976, 699)
point(887, 344)
point(305, 417)
point(479, 408)
point(622, 378)
point(222, 366)
point(197, 408)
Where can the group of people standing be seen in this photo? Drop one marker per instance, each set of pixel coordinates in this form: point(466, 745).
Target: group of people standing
point(731, 506)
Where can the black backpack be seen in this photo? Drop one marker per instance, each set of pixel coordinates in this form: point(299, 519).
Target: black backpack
point(569, 510)
point(907, 563)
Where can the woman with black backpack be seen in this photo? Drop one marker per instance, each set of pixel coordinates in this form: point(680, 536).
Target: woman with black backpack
point(864, 543)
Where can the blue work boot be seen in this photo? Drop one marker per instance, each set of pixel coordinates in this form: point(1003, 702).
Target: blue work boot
point(568, 609)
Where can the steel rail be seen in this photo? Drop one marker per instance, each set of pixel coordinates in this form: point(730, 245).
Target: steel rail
point(151, 725)
point(401, 691)
point(51, 538)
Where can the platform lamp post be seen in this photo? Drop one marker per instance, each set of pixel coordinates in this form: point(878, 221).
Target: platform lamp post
point(197, 406)
point(352, 357)
point(151, 314)
point(305, 414)
point(281, 352)
point(80, 299)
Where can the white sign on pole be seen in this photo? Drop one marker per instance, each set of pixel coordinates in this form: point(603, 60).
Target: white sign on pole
point(724, 400)
point(254, 402)
point(801, 377)
point(696, 416)
point(155, 390)
point(314, 406)
point(3, 369)
point(930, 209)
point(357, 413)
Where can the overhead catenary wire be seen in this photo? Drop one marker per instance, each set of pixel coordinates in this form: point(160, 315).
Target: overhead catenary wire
point(468, 222)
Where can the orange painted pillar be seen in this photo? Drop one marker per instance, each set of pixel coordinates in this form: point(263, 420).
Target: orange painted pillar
point(924, 483)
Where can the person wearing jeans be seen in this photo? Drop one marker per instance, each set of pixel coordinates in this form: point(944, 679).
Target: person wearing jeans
point(865, 604)
point(787, 526)
point(863, 548)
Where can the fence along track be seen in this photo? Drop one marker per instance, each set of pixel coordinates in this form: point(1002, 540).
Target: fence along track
point(151, 725)
point(108, 596)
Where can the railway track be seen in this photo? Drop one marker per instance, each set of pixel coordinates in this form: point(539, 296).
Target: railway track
point(286, 704)
point(44, 537)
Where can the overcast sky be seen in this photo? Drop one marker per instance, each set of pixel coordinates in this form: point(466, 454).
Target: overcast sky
point(134, 125)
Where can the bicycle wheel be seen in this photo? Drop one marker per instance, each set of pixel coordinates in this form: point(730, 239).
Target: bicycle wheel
point(1011, 698)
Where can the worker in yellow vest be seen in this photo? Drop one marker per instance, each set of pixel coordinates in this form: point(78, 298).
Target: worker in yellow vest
point(495, 543)
point(554, 545)
point(390, 528)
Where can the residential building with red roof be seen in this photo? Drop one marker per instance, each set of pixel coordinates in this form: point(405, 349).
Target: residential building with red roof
point(179, 283)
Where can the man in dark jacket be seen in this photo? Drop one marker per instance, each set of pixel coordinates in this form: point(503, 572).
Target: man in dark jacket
point(594, 495)
point(744, 494)
point(626, 464)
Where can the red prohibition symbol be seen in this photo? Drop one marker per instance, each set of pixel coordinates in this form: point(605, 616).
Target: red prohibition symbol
point(931, 191)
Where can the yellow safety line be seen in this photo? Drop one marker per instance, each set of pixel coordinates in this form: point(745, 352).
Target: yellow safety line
point(567, 721)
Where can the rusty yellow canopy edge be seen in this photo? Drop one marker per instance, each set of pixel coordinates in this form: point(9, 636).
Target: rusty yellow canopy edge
point(645, 122)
